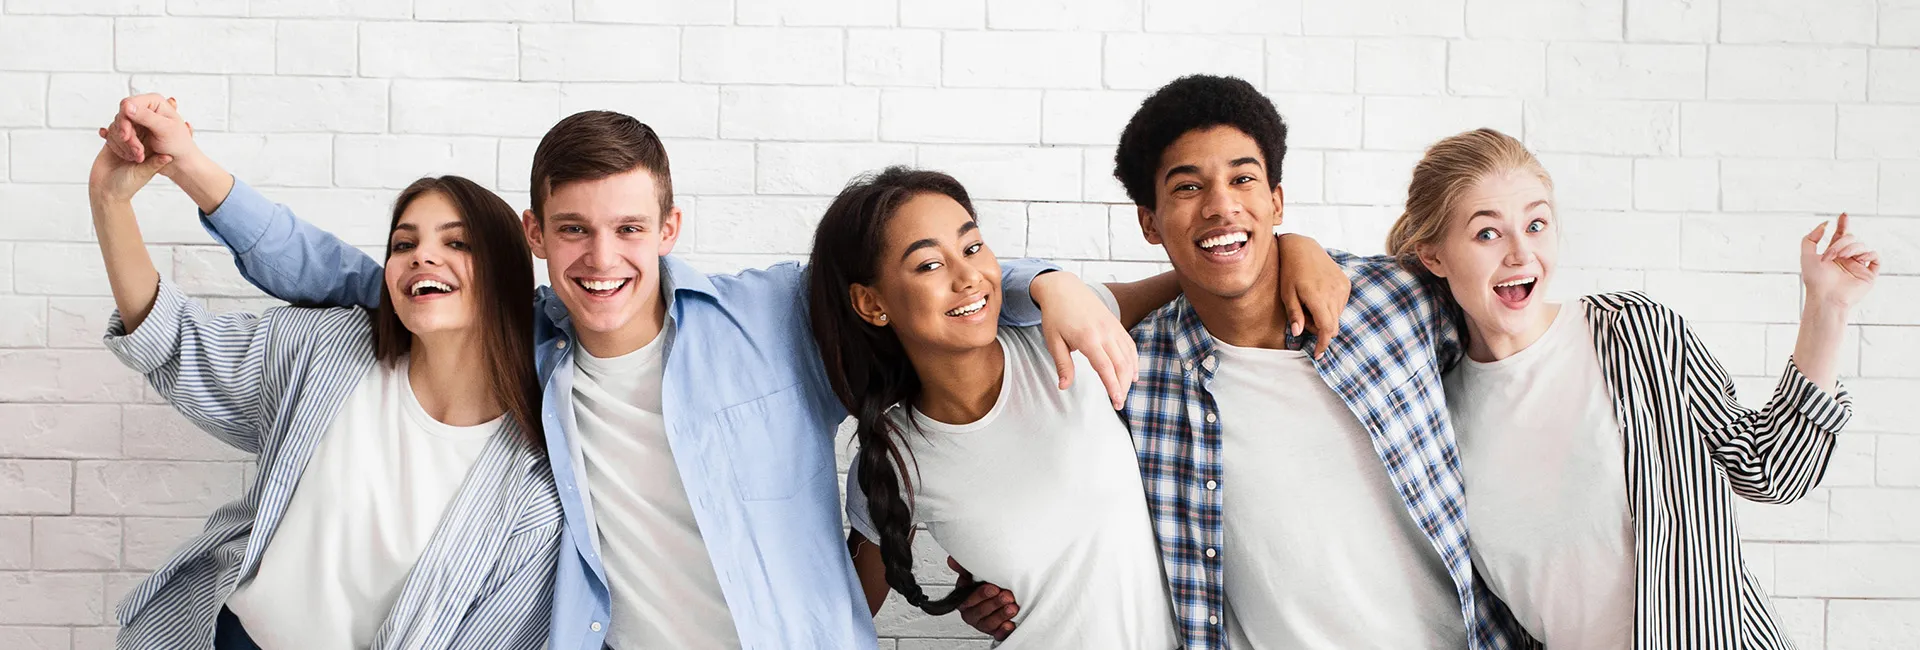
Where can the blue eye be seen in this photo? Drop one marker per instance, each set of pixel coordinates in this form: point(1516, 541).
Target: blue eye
point(1537, 226)
point(1486, 234)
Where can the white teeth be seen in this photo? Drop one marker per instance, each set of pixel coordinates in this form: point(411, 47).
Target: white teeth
point(429, 284)
point(602, 285)
point(1515, 283)
point(969, 308)
point(1223, 240)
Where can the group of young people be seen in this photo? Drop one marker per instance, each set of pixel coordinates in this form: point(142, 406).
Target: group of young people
point(1270, 446)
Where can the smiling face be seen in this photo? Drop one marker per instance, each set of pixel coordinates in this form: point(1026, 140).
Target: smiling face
point(1498, 252)
point(429, 271)
point(937, 283)
point(602, 240)
point(1214, 212)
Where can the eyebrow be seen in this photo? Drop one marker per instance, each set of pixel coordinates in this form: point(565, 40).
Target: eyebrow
point(625, 218)
point(444, 226)
point(1193, 169)
point(1496, 213)
point(965, 228)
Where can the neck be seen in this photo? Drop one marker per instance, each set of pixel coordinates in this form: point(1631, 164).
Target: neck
point(959, 387)
point(452, 383)
point(635, 335)
point(1250, 320)
point(1487, 346)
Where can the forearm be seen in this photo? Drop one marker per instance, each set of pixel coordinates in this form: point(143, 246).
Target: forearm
point(130, 271)
point(1818, 347)
point(1141, 297)
point(871, 570)
point(202, 179)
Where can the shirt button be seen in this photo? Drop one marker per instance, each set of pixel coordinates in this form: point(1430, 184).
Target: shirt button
point(1213, 620)
point(1211, 485)
point(1210, 553)
point(562, 345)
point(595, 626)
point(1211, 418)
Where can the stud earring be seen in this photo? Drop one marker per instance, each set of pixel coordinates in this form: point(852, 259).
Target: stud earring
point(883, 318)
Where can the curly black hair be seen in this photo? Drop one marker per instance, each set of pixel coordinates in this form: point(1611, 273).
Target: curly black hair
point(1187, 104)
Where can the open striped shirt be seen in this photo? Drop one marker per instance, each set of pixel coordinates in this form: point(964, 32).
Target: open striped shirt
point(270, 385)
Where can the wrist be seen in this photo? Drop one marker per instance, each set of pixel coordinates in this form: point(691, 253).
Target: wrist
point(1820, 310)
point(1044, 285)
point(202, 179)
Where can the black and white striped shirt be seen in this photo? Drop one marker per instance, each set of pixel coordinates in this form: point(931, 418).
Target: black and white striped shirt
point(270, 384)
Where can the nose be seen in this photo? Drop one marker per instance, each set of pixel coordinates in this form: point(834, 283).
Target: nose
point(1220, 203)
point(600, 254)
point(967, 277)
point(426, 254)
point(1520, 251)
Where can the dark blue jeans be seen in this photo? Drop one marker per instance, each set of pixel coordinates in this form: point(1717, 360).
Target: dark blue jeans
point(228, 635)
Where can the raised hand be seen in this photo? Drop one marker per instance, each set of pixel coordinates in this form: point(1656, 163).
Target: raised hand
point(148, 124)
point(113, 180)
point(1840, 276)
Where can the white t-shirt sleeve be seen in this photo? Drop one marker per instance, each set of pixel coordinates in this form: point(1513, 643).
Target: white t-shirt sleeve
point(857, 516)
point(1106, 297)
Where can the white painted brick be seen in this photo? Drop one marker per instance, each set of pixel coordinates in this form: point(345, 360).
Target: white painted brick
point(309, 104)
point(68, 269)
point(104, 638)
point(158, 432)
point(209, 45)
point(1303, 177)
point(4, 164)
point(1876, 515)
point(36, 638)
point(1781, 338)
point(655, 12)
point(375, 9)
point(598, 53)
point(1846, 570)
point(1803, 620)
point(1791, 21)
point(89, 7)
point(1879, 405)
point(1739, 347)
point(1894, 76)
point(275, 159)
point(16, 547)
point(1576, 20)
point(84, 100)
point(328, 48)
point(897, 618)
point(516, 168)
point(358, 217)
point(820, 169)
point(395, 161)
point(1900, 188)
point(1369, 177)
point(762, 55)
point(1620, 240)
point(1820, 186)
point(798, 113)
point(1003, 225)
point(731, 224)
point(1400, 66)
point(1676, 184)
point(1093, 117)
point(36, 487)
point(1898, 461)
point(1879, 132)
point(153, 488)
point(1149, 61)
point(1899, 22)
point(944, 14)
point(1006, 59)
point(1320, 121)
point(803, 13)
point(960, 115)
point(48, 212)
point(1383, 17)
point(673, 110)
point(1801, 521)
point(1743, 242)
point(6, 266)
point(1124, 240)
point(711, 166)
point(1769, 72)
point(1086, 15)
point(1727, 297)
point(1067, 231)
point(209, 270)
point(1497, 68)
point(1673, 21)
point(166, 216)
point(1310, 64)
point(438, 50)
point(1590, 182)
point(512, 109)
point(150, 541)
point(45, 598)
point(202, 99)
point(1009, 173)
point(1415, 123)
point(23, 99)
point(1611, 71)
point(76, 543)
point(1097, 181)
point(1224, 16)
point(893, 57)
point(1757, 130)
point(56, 43)
point(501, 10)
point(1890, 352)
point(208, 7)
point(54, 156)
point(1852, 464)
point(61, 430)
point(1631, 128)
point(1871, 624)
point(23, 322)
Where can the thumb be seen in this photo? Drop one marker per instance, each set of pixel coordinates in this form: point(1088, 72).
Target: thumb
point(1811, 242)
point(147, 118)
point(154, 163)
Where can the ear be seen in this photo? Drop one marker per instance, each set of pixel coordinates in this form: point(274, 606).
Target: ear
point(1148, 228)
point(1429, 256)
point(1279, 203)
point(866, 303)
point(669, 230)
point(536, 239)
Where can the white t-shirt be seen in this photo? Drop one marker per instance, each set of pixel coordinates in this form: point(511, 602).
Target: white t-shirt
point(661, 578)
point(367, 504)
point(1545, 469)
point(1320, 552)
point(1042, 496)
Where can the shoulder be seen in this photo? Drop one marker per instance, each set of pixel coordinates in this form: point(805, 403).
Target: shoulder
point(1627, 306)
point(322, 326)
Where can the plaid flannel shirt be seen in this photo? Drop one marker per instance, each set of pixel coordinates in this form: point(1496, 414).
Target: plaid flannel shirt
point(1396, 337)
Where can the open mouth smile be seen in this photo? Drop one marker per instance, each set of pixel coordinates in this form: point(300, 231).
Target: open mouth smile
point(968, 309)
point(1515, 292)
point(1223, 245)
point(602, 288)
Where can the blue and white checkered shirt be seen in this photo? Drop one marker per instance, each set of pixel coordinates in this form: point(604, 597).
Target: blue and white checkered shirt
point(1396, 337)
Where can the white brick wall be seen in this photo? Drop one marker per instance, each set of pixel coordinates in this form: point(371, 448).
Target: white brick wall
point(1693, 141)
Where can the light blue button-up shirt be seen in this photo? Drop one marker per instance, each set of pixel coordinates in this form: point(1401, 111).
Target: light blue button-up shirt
point(750, 418)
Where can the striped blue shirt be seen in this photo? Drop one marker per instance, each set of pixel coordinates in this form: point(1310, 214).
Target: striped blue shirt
point(270, 385)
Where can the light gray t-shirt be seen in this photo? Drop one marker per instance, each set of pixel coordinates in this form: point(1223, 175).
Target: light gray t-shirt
point(1042, 496)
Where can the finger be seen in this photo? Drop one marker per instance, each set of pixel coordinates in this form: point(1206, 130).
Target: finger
point(1062, 359)
point(1852, 248)
point(148, 118)
point(1128, 357)
point(1811, 243)
point(1290, 306)
point(1102, 363)
point(1123, 371)
point(1840, 242)
point(1324, 335)
point(136, 150)
point(1840, 226)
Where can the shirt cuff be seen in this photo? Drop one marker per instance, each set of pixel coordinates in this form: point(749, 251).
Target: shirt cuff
point(1021, 273)
point(1828, 411)
point(241, 220)
point(153, 344)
